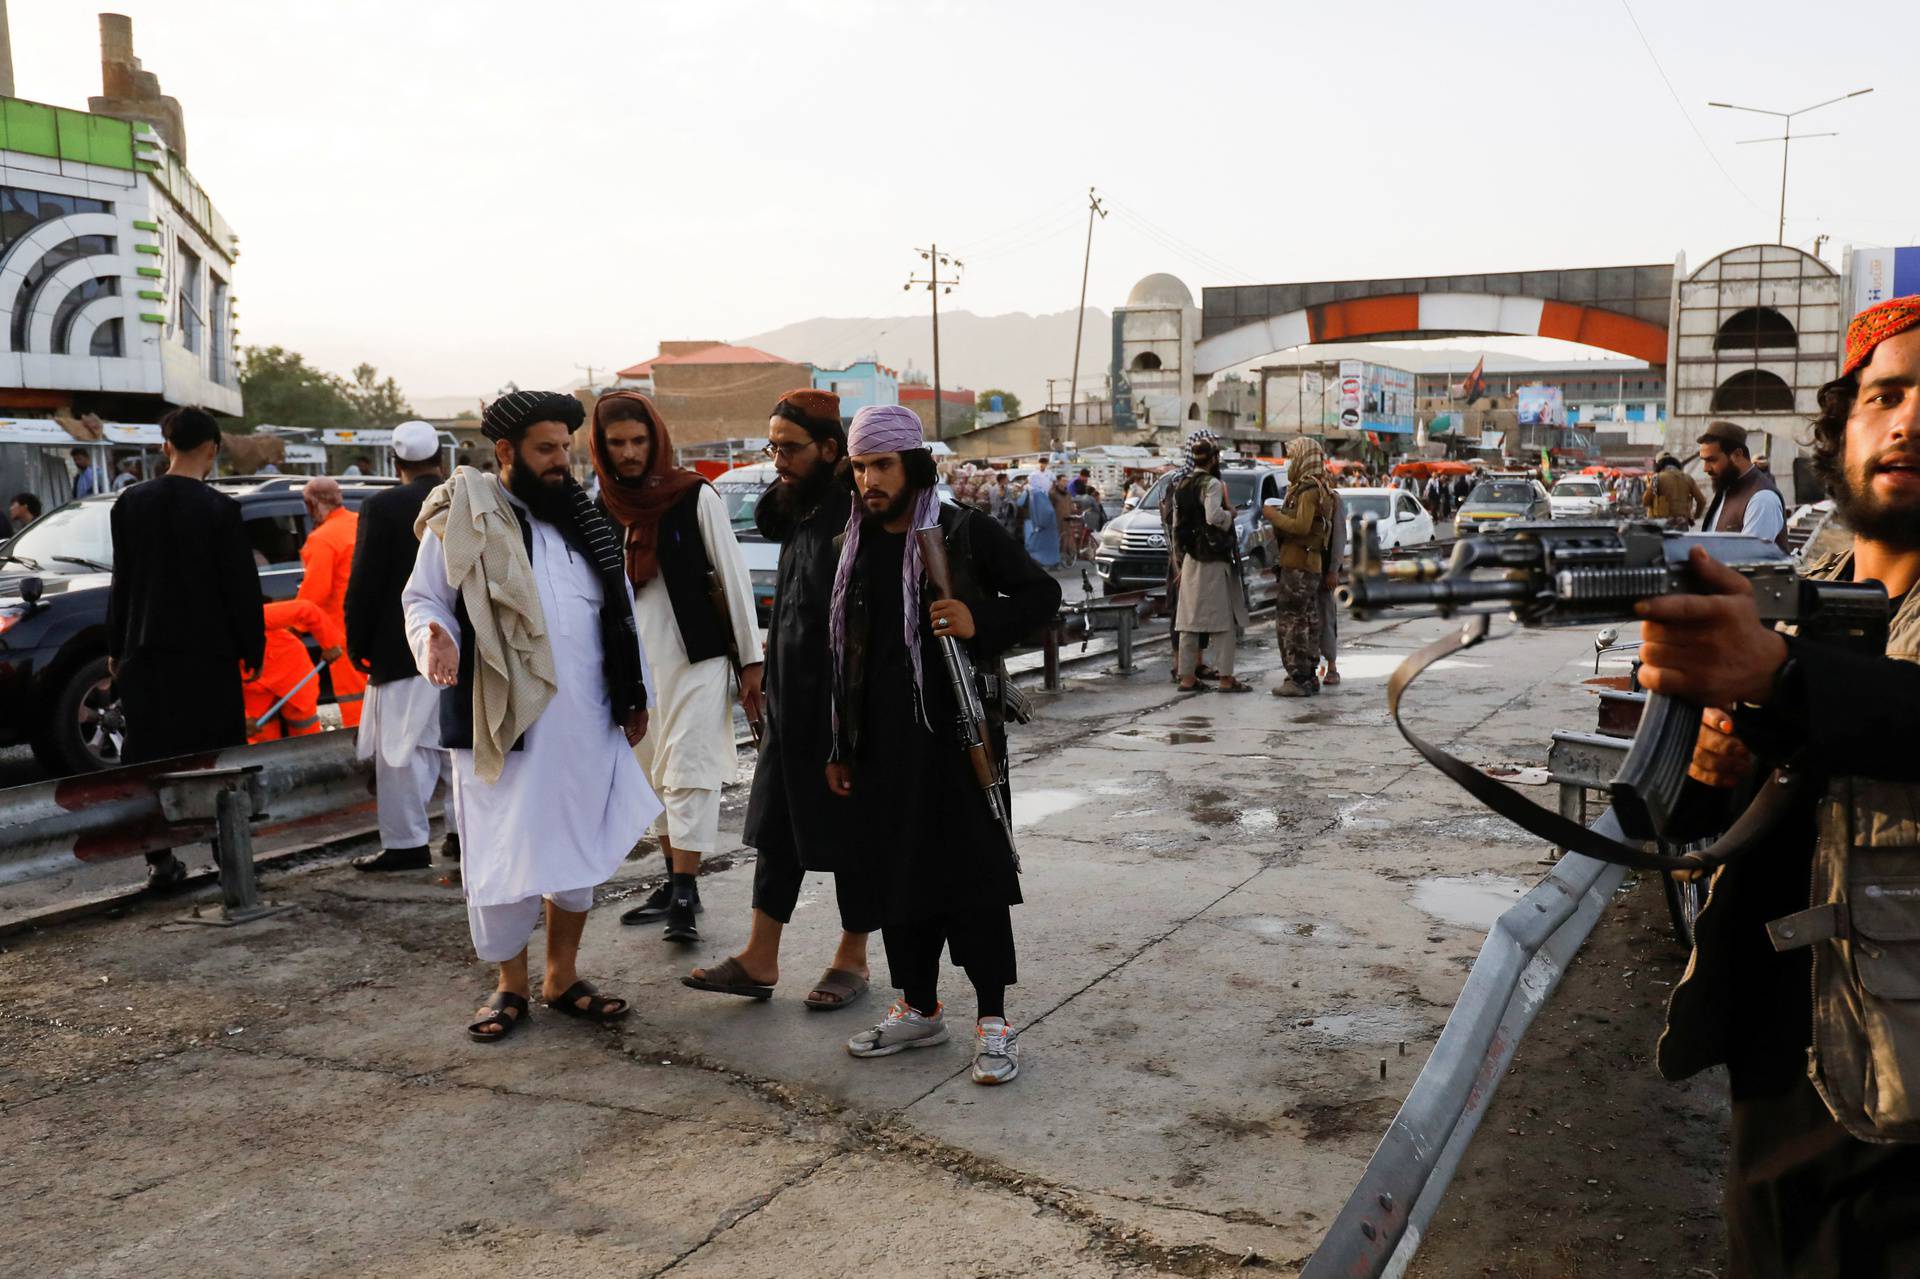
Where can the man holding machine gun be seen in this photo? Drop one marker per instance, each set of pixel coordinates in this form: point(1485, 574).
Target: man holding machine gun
point(1805, 976)
point(940, 846)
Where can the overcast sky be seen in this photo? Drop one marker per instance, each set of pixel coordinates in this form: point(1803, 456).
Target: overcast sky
point(465, 194)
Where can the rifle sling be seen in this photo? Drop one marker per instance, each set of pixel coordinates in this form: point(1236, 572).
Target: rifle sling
point(1761, 817)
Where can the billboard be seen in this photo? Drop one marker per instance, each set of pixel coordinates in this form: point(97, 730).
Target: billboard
point(1373, 397)
point(1541, 406)
point(1879, 274)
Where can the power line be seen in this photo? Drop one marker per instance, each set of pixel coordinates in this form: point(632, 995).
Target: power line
point(1704, 144)
point(975, 248)
point(1194, 252)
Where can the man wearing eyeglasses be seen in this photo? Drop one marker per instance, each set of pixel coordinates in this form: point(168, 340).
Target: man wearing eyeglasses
point(790, 819)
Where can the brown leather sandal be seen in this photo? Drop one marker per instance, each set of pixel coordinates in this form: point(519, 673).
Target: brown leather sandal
point(727, 978)
point(836, 989)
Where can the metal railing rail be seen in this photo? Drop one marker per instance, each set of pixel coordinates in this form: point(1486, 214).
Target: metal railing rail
point(47, 826)
point(1380, 1228)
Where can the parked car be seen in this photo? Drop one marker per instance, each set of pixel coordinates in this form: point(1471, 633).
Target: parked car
point(1132, 551)
point(1503, 498)
point(1399, 518)
point(1578, 498)
point(54, 574)
point(742, 488)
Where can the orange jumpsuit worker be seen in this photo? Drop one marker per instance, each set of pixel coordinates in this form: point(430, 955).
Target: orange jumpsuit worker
point(328, 556)
point(285, 665)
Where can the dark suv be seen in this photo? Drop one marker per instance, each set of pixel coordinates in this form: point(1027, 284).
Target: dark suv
point(54, 575)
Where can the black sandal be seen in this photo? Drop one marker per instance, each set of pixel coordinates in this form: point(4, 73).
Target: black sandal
point(502, 1003)
point(600, 1008)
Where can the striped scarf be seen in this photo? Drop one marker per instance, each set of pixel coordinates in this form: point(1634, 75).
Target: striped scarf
point(594, 534)
point(926, 511)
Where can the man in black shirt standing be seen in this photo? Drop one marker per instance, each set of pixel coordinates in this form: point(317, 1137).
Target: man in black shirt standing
point(399, 725)
point(184, 613)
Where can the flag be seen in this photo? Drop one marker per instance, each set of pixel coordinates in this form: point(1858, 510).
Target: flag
point(1476, 384)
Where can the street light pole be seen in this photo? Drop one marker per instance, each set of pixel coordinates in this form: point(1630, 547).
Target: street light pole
point(1786, 140)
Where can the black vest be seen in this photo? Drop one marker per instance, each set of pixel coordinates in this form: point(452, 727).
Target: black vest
point(686, 570)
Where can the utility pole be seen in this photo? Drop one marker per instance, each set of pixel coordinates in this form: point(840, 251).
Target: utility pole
point(588, 368)
point(1786, 140)
point(935, 286)
point(1073, 386)
point(1050, 382)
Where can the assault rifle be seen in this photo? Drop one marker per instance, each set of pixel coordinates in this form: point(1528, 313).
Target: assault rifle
point(970, 725)
point(1565, 573)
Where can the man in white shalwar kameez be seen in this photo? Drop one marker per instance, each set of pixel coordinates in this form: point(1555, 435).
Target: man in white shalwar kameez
point(693, 603)
point(518, 605)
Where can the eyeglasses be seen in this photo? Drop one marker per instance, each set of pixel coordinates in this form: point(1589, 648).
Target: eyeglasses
point(787, 452)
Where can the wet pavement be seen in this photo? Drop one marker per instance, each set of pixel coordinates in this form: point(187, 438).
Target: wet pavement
point(1245, 922)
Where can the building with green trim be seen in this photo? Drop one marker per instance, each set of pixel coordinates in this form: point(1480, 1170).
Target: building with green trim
point(116, 271)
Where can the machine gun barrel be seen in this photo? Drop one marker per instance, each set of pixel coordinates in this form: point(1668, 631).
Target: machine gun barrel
point(1561, 572)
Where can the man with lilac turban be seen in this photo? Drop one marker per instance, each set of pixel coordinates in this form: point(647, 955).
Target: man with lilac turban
point(945, 870)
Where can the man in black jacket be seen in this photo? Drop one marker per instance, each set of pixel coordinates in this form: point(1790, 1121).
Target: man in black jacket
point(791, 822)
point(184, 613)
point(399, 726)
point(910, 797)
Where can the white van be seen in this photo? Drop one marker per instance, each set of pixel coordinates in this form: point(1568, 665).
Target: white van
point(742, 487)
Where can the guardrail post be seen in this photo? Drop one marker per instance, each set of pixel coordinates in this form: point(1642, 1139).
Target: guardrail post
point(1123, 641)
point(1050, 658)
point(232, 797)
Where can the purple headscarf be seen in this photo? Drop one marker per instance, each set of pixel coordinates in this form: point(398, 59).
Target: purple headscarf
point(882, 428)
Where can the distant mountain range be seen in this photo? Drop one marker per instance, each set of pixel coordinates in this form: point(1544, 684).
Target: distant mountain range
point(1017, 352)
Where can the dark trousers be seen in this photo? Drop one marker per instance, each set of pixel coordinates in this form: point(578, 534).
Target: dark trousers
point(777, 874)
point(1805, 1200)
point(980, 941)
point(179, 704)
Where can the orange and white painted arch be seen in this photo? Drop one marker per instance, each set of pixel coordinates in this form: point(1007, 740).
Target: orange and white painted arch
point(1439, 314)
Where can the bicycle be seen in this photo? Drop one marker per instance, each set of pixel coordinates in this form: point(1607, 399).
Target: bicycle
point(1078, 542)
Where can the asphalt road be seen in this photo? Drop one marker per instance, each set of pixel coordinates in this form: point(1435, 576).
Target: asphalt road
point(1245, 922)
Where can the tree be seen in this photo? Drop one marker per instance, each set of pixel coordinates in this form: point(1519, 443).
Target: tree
point(280, 388)
point(1009, 402)
point(376, 402)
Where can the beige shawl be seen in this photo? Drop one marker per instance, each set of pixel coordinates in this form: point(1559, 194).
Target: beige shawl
point(487, 563)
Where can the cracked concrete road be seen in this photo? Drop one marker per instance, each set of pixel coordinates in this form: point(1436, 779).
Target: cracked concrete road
point(1246, 922)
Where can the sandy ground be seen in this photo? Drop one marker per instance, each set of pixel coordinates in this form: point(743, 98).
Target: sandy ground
point(1238, 909)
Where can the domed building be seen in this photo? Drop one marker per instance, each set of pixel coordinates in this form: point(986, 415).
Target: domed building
point(1152, 366)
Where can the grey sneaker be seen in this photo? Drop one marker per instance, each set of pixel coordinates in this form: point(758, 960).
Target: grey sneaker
point(996, 1052)
point(1290, 689)
point(902, 1028)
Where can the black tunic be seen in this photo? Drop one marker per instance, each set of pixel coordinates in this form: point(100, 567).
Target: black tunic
point(917, 814)
point(183, 613)
point(790, 811)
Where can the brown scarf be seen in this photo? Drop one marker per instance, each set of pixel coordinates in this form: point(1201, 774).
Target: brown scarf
point(638, 507)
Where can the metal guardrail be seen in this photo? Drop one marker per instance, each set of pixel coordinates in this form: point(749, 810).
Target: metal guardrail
point(47, 826)
point(1379, 1229)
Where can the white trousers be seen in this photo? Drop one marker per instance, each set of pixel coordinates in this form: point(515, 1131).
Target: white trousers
point(691, 818)
point(501, 932)
point(403, 794)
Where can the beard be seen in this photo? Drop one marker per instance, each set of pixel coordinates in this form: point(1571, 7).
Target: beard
point(549, 501)
point(782, 506)
point(899, 506)
point(1892, 524)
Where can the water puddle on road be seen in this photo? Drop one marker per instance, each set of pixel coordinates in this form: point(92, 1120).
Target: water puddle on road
point(1468, 901)
point(1034, 806)
point(1164, 736)
point(1359, 665)
point(1274, 928)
